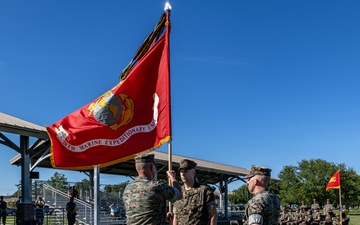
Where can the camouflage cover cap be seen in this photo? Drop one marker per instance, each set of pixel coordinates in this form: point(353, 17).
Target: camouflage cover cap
point(187, 164)
point(258, 170)
point(145, 158)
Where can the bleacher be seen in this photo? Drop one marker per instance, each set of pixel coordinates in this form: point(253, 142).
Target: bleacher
point(55, 207)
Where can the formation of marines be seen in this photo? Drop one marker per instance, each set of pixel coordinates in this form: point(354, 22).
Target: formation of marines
point(305, 215)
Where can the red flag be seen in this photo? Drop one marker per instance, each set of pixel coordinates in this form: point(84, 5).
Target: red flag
point(131, 118)
point(334, 181)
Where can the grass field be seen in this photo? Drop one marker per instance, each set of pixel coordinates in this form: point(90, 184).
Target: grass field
point(51, 220)
point(354, 219)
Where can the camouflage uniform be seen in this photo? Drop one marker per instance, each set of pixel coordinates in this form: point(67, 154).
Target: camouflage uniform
point(315, 205)
point(283, 217)
point(327, 207)
point(193, 207)
point(316, 217)
point(303, 206)
point(291, 218)
point(264, 205)
point(298, 217)
point(145, 199)
point(336, 220)
point(327, 220)
point(286, 218)
point(308, 217)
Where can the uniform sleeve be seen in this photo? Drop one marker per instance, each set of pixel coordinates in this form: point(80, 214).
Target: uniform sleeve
point(256, 211)
point(170, 193)
point(210, 199)
point(255, 218)
point(176, 195)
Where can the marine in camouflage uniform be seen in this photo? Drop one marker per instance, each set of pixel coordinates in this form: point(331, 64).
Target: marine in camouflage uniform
point(145, 198)
point(328, 220)
point(303, 206)
point(291, 217)
point(198, 206)
point(328, 206)
point(308, 217)
point(264, 207)
point(286, 217)
point(315, 205)
point(299, 216)
point(316, 217)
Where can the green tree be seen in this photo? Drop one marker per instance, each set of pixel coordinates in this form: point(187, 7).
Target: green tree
point(116, 189)
point(239, 196)
point(274, 187)
point(83, 185)
point(17, 193)
point(308, 181)
point(58, 181)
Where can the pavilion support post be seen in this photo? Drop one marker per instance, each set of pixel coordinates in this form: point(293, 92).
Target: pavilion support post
point(25, 170)
point(226, 197)
point(96, 195)
point(25, 209)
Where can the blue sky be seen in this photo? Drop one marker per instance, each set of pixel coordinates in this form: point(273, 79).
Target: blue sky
point(265, 82)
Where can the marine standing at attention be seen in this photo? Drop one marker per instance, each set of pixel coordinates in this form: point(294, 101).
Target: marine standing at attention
point(145, 198)
point(315, 205)
point(264, 207)
point(198, 206)
point(327, 207)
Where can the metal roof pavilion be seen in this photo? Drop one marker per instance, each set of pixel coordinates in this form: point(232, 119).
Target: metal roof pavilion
point(207, 172)
point(37, 155)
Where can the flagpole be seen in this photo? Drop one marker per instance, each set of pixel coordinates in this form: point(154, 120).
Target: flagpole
point(340, 208)
point(167, 9)
point(170, 168)
point(169, 156)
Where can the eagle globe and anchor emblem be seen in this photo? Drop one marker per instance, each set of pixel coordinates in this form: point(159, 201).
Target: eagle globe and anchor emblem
point(113, 110)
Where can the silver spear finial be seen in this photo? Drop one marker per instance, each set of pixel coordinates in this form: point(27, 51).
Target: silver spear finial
point(167, 7)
